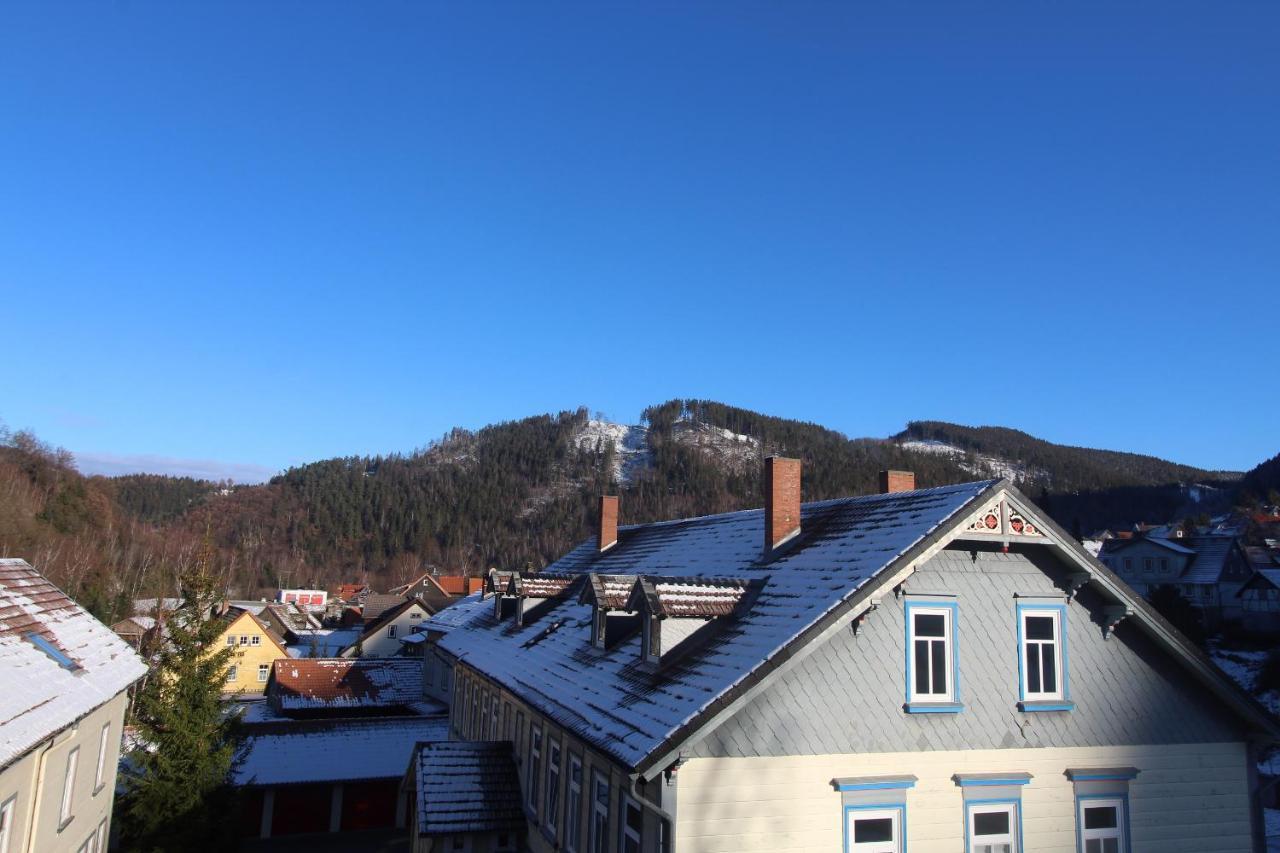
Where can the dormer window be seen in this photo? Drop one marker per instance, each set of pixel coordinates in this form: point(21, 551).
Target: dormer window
point(611, 616)
point(674, 610)
point(535, 593)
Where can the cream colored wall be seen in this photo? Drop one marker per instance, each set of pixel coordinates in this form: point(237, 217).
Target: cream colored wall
point(248, 658)
point(36, 780)
point(1187, 799)
point(381, 646)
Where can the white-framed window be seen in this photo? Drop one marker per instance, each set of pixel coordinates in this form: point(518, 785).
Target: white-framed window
point(992, 828)
point(244, 639)
point(391, 632)
point(553, 785)
point(68, 787)
point(632, 826)
point(6, 822)
point(231, 639)
point(264, 672)
point(99, 771)
point(599, 837)
point(484, 717)
point(1102, 823)
point(233, 672)
point(494, 731)
point(873, 830)
point(573, 810)
point(255, 640)
point(535, 766)
point(930, 653)
point(1041, 662)
point(100, 844)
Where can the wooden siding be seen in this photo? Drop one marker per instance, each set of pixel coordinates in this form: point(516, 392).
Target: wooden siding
point(1187, 799)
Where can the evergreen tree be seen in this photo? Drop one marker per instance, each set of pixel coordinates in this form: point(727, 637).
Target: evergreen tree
point(177, 794)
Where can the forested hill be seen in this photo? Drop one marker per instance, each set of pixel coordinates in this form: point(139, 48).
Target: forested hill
point(519, 494)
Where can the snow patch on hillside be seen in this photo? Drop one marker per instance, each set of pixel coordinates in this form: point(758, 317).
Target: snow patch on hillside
point(980, 465)
point(630, 442)
point(735, 451)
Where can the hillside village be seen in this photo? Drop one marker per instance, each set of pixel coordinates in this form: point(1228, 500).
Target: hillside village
point(946, 665)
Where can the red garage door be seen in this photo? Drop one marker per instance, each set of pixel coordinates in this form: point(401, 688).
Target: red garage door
point(369, 805)
point(301, 808)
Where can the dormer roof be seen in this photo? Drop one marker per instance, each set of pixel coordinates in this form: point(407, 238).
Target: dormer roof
point(609, 592)
point(691, 598)
point(541, 584)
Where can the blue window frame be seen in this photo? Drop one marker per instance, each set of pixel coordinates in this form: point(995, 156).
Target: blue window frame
point(875, 813)
point(932, 656)
point(992, 811)
point(1044, 682)
point(1102, 808)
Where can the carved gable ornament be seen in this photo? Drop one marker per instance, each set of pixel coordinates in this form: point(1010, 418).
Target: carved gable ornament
point(1003, 519)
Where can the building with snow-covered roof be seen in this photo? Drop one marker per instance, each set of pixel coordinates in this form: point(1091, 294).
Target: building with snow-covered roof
point(465, 796)
point(943, 667)
point(255, 647)
point(1208, 570)
point(65, 677)
point(382, 637)
point(346, 687)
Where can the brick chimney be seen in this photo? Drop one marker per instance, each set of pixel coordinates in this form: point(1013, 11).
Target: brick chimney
point(897, 481)
point(781, 500)
point(607, 534)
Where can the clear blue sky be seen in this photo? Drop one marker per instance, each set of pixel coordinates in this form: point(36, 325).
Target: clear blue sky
point(262, 234)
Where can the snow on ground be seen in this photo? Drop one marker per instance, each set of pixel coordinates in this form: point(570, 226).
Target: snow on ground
point(982, 465)
point(1243, 665)
point(631, 446)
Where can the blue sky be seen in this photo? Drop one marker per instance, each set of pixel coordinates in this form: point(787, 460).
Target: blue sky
point(262, 234)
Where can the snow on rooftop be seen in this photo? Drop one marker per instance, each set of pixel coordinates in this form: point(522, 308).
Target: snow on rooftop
point(318, 684)
point(468, 787)
point(334, 750)
point(607, 698)
point(82, 666)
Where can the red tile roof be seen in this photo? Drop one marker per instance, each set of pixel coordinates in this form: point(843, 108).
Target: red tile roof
point(324, 683)
point(459, 584)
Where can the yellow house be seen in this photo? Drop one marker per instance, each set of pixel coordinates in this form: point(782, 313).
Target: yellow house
point(256, 647)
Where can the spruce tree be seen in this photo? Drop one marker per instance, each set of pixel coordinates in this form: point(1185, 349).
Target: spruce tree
point(177, 793)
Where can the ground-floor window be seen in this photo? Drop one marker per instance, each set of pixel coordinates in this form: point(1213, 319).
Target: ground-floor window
point(992, 828)
point(874, 830)
point(1102, 825)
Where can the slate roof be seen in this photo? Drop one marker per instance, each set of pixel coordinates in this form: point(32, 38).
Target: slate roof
point(291, 753)
point(1113, 545)
point(312, 684)
point(378, 603)
point(51, 694)
point(608, 697)
point(467, 787)
point(1211, 555)
point(328, 642)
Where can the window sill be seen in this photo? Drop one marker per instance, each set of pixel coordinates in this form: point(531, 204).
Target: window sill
point(933, 707)
point(1049, 705)
point(66, 823)
point(98, 790)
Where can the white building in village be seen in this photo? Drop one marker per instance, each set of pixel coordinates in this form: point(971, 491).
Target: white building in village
point(64, 675)
point(935, 670)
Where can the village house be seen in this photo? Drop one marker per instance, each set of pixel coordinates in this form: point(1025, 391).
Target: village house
point(466, 796)
point(65, 677)
point(255, 648)
point(326, 751)
point(137, 631)
point(1208, 570)
point(941, 668)
point(382, 638)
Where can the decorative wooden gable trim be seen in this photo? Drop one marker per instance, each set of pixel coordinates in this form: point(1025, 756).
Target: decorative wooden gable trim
point(1002, 520)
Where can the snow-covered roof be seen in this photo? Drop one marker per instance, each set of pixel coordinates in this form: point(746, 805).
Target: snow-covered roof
point(65, 661)
point(315, 684)
point(698, 598)
point(608, 697)
point(467, 787)
point(322, 642)
point(148, 606)
point(1113, 545)
point(299, 752)
point(1211, 555)
point(451, 617)
point(539, 584)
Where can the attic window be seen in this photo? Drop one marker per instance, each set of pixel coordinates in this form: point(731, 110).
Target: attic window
point(673, 610)
point(57, 655)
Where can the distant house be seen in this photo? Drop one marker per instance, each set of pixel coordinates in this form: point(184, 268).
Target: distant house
point(288, 621)
point(326, 753)
point(255, 648)
point(322, 642)
point(1260, 601)
point(64, 676)
point(941, 669)
point(382, 638)
point(378, 603)
point(465, 796)
point(351, 593)
point(440, 591)
point(1208, 570)
point(314, 599)
point(137, 631)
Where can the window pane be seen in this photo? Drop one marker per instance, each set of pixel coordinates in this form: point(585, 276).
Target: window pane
point(1033, 669)
point(939, 667)
point(1100, 817)
point(930, 625)
point(879, 829)
point(1049, 668)
point(922, 666)
point(1110, 845)
point(991, 823)
point(1039, 627)
point(1093, 846)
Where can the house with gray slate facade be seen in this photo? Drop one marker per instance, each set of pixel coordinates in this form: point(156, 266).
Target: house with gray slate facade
point(936, 670)
point(1208, 570)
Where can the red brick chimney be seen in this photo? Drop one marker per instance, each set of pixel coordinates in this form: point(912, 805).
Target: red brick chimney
point(607, 534)
point(781, 500)
point(897, 481)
